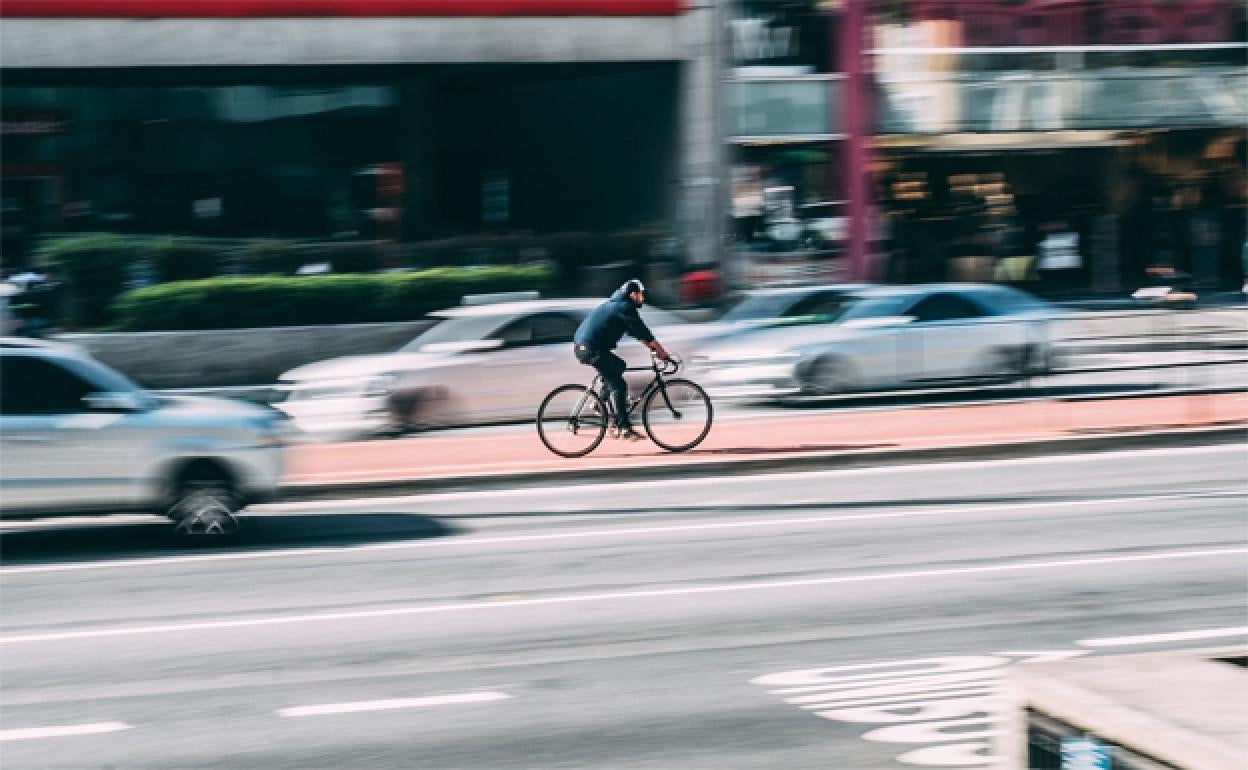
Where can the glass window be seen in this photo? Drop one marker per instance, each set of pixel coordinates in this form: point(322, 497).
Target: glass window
point(761, 307)
point(35, 386)
point(452, 330)
point(517, 333)
point(268, 160)
point(944, 307)
point(784, 107)
point(824, 307)
point(552, 329)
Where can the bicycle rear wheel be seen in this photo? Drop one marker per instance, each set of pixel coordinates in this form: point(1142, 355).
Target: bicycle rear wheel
point(679, 422)
point(572, 421)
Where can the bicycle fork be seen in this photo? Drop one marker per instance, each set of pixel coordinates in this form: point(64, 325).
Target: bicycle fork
point(666, 400)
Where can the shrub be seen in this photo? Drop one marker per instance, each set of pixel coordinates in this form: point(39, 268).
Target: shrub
point(180, 259)
point(95, 266)
point(221, 303)
point(271, 257)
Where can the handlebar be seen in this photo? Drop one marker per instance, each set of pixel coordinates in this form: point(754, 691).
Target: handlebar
point(670, 366)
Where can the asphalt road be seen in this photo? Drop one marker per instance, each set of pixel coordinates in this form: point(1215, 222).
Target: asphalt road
point(644, 625)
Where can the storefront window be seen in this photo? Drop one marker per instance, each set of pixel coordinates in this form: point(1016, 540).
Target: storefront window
point(239, 160)
point(790, 35)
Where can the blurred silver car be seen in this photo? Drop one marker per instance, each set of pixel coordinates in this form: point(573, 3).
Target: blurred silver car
point(475, 364)
point(885, 337)
point(79, 438)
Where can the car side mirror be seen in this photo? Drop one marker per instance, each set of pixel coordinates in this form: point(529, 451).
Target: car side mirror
point(114, 402)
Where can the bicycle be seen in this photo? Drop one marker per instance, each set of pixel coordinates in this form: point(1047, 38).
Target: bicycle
point(676, 413)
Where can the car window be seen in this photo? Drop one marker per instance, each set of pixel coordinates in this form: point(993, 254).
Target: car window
point(761, 306)
point(553, 328)
point(35, 386)
point(874, 307)
point(1006, 301)
point(822, 307)
point(451, 330)
point(944, 307)
point(18, 395)
point(516, 333)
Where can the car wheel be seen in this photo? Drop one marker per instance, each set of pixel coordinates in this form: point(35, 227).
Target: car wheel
point(204, 505)
point(419, 410)
point(826, 377)
point(1002, 366)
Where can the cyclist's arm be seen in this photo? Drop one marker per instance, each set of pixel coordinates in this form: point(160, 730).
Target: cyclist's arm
point(658, 350)
point(637, 328)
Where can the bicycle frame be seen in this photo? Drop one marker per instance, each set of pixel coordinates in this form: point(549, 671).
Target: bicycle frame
point(657, 383)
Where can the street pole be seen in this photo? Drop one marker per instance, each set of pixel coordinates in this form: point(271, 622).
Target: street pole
point(857, 117)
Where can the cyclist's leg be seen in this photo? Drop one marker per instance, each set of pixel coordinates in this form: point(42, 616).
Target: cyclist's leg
point(611, 367)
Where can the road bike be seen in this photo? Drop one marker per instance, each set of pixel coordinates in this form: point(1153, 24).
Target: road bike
point(676, 413)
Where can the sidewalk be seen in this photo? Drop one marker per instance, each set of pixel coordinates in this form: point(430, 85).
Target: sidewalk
point(805, 439)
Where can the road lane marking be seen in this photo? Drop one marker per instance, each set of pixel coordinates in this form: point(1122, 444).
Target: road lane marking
point(1178, 636)
point(62, 731)
point(452, 542)
point(749, 479)
point(391, 705)
point(768, 585)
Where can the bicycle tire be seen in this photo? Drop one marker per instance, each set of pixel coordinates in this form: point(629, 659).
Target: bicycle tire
point(596, 429)
point(650, 423)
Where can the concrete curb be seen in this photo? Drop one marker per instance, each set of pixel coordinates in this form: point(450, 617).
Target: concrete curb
point(859, 458)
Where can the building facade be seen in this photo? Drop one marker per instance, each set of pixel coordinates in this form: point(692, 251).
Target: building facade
point(989, 125)
point(394, 120)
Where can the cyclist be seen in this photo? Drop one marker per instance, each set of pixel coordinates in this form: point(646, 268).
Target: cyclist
point(598, 335)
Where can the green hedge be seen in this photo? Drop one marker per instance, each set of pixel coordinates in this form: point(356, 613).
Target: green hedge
point(95, 267)
point(98, 266)
point(223, 303)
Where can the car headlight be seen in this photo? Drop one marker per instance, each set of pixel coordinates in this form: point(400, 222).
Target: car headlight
point(381, 386)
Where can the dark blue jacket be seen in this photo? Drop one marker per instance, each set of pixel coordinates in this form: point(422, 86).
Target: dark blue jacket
point(602, 329)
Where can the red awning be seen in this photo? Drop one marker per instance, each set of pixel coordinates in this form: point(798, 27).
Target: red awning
point(150, 9)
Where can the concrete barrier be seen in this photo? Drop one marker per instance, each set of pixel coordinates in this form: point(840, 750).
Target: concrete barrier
point(191, 359)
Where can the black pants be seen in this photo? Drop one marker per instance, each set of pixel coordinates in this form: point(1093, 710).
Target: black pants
point(611, 367)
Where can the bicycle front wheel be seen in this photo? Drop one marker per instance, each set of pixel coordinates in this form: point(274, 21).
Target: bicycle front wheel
point(572, 421)
point(680, 421)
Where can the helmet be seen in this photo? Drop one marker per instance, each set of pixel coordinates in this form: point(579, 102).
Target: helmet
point(633, 285)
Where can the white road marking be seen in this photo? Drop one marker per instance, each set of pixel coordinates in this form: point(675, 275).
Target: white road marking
point(32, 733)
point(390, 705)
point(453, 542)
point(748, 479)
point(1179, 636)
point(329, 617)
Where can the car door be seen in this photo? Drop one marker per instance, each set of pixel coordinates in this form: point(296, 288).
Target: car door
point(945, 340)
point(870, 352)
point(535, 356)
point(56, 453)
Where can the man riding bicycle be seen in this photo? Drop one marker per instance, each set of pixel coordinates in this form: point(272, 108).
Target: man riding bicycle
point(598, 335)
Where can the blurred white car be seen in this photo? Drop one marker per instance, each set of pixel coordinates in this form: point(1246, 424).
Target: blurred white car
point(79, 438)
point(475, 364)
point(885, 337)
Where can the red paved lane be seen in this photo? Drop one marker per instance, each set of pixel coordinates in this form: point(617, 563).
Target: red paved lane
point(447, 454)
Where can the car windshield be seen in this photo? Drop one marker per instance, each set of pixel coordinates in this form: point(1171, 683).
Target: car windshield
point(876, 307)
point(453, 330)
point(762, 306)
point(1009, 301)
